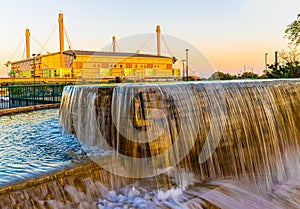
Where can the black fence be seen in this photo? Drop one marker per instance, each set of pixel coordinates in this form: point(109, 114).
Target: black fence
point(28, 95)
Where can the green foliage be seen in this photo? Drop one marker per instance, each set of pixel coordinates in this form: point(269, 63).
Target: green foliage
point(263, 76)
point(12, 73)
point(221, 76)
point(118, 79)
point(288, 70)
point(289, 66)
point(249, 75)
point(292, 32)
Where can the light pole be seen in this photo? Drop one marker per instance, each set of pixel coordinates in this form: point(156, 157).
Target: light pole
point(251, 68)
point(33, 68)
point(266, 62)
point(183, 68)
point(276, 59)
point(34, 56)
point(187, 64)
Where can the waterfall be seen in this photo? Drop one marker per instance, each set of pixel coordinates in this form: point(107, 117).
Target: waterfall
point(244, 131)
point(237, 129)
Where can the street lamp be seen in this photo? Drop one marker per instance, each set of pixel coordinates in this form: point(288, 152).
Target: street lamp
point(244, 73)
point(266, 62)
point(183, 68)
point(34, 56)
point(187, 63)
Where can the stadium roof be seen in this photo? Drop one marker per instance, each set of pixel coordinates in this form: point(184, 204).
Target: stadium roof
point(113, 54)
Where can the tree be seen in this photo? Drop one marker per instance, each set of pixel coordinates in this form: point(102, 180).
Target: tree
point(221, 76)
point(291, 56)
point(292, 32)
point(247, 75)
point(12, 73)
point(277, 71)
point(287, 67)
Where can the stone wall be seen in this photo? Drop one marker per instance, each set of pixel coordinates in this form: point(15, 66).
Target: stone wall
point(78, 187)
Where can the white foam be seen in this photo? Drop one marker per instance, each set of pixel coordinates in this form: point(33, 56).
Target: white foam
point(141, 198)
point(229, 194)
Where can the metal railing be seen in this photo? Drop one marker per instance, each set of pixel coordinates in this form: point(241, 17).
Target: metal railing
point(28, 95)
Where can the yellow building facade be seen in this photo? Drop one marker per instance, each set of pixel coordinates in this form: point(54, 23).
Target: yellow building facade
point(92, 64)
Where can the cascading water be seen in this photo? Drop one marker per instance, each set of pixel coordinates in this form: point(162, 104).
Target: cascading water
point(192, 145)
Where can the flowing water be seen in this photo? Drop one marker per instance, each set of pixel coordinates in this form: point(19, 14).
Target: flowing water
point(31, 145)
point(195, 145)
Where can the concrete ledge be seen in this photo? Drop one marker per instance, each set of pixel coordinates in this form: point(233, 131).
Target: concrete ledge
point(80, 170)
point(17, 110)
point(79, 187)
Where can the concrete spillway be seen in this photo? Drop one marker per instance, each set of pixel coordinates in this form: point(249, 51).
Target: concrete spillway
point(227, 129)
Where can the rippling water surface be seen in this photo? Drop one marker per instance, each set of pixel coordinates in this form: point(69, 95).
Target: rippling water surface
point(32, 144)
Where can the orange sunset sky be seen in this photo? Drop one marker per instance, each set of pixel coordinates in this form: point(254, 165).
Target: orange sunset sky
point(228, 34)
